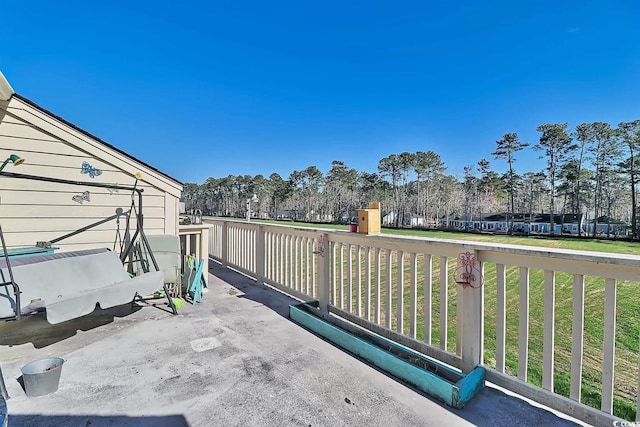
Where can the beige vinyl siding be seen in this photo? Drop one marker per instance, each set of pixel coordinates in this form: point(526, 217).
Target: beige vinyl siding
point(50, 128)
point(172, 205)
point(29, 216)
point(32, 211)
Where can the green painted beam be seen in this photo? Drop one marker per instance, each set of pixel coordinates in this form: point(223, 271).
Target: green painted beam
point(453, 393)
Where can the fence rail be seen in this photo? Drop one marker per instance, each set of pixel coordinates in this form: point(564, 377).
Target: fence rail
point(194, 240)
point(520, 311)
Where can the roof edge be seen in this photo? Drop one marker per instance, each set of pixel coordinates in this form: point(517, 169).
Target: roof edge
point(88, 134)
point(6, 91)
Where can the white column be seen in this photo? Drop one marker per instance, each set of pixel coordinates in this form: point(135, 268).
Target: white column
point(472, 322)
point(204, 251)
point(548, 335)
point(225, 244)
point(323, 273)
point(260, 254)
point(577, 336)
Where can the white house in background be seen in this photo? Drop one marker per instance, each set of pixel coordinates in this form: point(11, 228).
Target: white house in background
point(409, 220)
point(32, 211)
point(389, 218)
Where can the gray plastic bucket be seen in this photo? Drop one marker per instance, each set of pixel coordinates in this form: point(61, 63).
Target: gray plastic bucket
point(42, 376)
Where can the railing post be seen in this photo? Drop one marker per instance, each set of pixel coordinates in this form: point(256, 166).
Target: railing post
point(224, 237)
point(260, 251)
point(472, 319)
point(204, 252)
point(322, 252)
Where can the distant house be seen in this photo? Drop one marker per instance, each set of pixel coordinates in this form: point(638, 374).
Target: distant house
point(486, 222)
point(389, 218)
point(348, 217)
point(464, 224)
point(285, 214)
point(408, 220)
point(607, 226)
point(495, 223)
point(33, 211)
point(567, 224)
point(415, 221)
point(523, 223)
point(562, 224)
point(320, 217)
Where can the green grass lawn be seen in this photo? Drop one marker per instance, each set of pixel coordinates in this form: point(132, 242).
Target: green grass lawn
point(627, 316)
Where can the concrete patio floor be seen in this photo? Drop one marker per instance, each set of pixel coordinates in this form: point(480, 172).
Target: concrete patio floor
point(233, 360)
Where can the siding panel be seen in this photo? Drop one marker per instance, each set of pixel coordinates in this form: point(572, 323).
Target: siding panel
point(88, 239)
point(64, 198)
point(65, 225)
point(49, 125)
point(93, 212)
point(32, 211)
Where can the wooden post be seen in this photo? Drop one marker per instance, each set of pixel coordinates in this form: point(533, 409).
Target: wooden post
point(472, 319)
point(609, 351)
point(577, 337)
point(260, 252)
point(204, 253)
point(548, 335)
point(523, 328)
point(224, 236)
point(322, 252)
point(501, 310)
point(444, 301)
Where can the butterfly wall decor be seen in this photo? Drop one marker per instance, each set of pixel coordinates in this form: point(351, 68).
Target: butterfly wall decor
point(81, 198)
point(112, 190)
point(87, 168)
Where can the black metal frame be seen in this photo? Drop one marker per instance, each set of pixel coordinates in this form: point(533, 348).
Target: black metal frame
point(130, 242)
point(12, 282)
point(90, 226)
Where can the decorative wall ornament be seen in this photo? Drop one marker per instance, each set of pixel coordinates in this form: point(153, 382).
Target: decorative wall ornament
point(138, 176)
point(113, 190)
point(88, 169)
point(321, 248)
point(467, 274)
point(81, 198)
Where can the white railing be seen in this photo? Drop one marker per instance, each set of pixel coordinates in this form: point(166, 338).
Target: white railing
point(246, 246)
point(194, 240)
point(397, 287)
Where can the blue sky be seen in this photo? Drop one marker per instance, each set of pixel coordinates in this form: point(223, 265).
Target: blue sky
point(200, 89)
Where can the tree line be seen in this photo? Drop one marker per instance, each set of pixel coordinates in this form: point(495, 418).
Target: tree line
point(591, 169)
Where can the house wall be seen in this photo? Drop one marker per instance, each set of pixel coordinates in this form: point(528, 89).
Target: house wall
point(32, 211)
point(389, 219)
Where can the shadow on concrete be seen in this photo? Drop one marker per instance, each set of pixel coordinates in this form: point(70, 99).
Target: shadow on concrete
point(96, 421)
point(268, 296)
point(486, 408)
point(491, 407)
point(36, 330)
point(496, 408)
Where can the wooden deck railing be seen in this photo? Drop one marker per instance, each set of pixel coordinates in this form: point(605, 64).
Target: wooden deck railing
point(405, 288)
point(194, 240)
